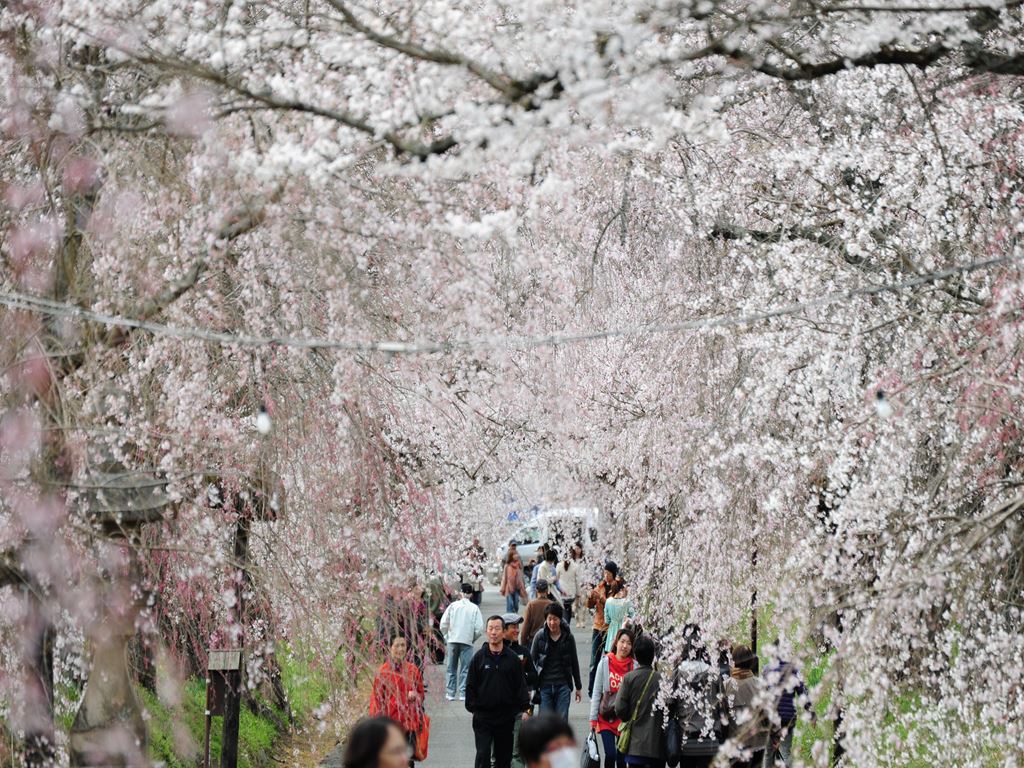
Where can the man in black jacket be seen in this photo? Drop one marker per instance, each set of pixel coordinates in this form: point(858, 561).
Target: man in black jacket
point(558, 665)
point(496, 695)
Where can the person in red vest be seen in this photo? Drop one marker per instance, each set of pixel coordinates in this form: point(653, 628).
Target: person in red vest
point(398, 692)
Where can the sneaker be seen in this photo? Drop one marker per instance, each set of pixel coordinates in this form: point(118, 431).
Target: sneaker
point(462, 697)
point(449, 697)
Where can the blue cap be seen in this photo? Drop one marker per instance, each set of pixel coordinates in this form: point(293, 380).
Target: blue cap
point(511, 618)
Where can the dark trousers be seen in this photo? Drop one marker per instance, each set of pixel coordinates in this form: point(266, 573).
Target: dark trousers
point(696, 762)
point(612, 758)
point(493, 735)
point(476, 597)
point(596, 652)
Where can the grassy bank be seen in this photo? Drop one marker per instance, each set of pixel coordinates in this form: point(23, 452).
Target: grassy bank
point(176, 733)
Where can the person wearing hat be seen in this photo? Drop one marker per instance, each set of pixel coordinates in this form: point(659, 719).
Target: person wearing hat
point(599, 595)
point(747, 724)
point(512, 622)
point(534, 618)
point(461, 624)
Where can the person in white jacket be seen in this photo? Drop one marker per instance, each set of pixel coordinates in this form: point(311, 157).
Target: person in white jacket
point(461, 624)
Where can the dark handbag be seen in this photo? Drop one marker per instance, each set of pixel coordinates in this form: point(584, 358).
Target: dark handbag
point(673, 743)
point(606, 709)
point(695, 746)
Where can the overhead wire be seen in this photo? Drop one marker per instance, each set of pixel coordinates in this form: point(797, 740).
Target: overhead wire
point(31, 303)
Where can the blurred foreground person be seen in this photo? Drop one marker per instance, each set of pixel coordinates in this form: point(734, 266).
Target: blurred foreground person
point(376, 742)
point(546, 741)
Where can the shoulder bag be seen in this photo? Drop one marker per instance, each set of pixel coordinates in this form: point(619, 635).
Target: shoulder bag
point(606, 709)
point(626, 729)
point(422, 744)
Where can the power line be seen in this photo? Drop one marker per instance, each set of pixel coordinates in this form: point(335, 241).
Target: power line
point(45, 306)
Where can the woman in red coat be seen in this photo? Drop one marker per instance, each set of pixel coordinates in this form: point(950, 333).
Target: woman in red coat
point(398, 692)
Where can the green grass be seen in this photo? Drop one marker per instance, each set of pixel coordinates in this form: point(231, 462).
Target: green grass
point(176, 734)
point(305, 686)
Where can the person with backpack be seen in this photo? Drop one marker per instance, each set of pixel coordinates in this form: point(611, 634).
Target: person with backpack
point(746, 724)
point(611, 671)
point(642, 723)
point(696, 706)
point(535, 612)
point(461, 624)
point(558, 665)
point(495, 695)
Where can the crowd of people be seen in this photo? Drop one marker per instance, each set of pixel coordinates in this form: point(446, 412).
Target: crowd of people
point(526, 672)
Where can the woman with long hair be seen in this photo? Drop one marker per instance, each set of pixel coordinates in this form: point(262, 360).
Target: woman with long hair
point(568, 576)
point(513, 585)
point(612, 668)
point(376, 742)
point(578, 607)
point(398, 692)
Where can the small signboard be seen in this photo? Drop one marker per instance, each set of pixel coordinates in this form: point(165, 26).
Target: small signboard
point(225, 660)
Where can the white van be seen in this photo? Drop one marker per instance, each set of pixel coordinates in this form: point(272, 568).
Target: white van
point(558, 527)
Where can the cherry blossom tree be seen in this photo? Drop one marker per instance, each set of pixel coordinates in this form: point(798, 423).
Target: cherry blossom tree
point(743, 275)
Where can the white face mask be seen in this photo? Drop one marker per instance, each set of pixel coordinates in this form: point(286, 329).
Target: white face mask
point(563, 757)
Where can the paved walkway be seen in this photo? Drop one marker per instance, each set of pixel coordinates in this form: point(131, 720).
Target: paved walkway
point(451, 734)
